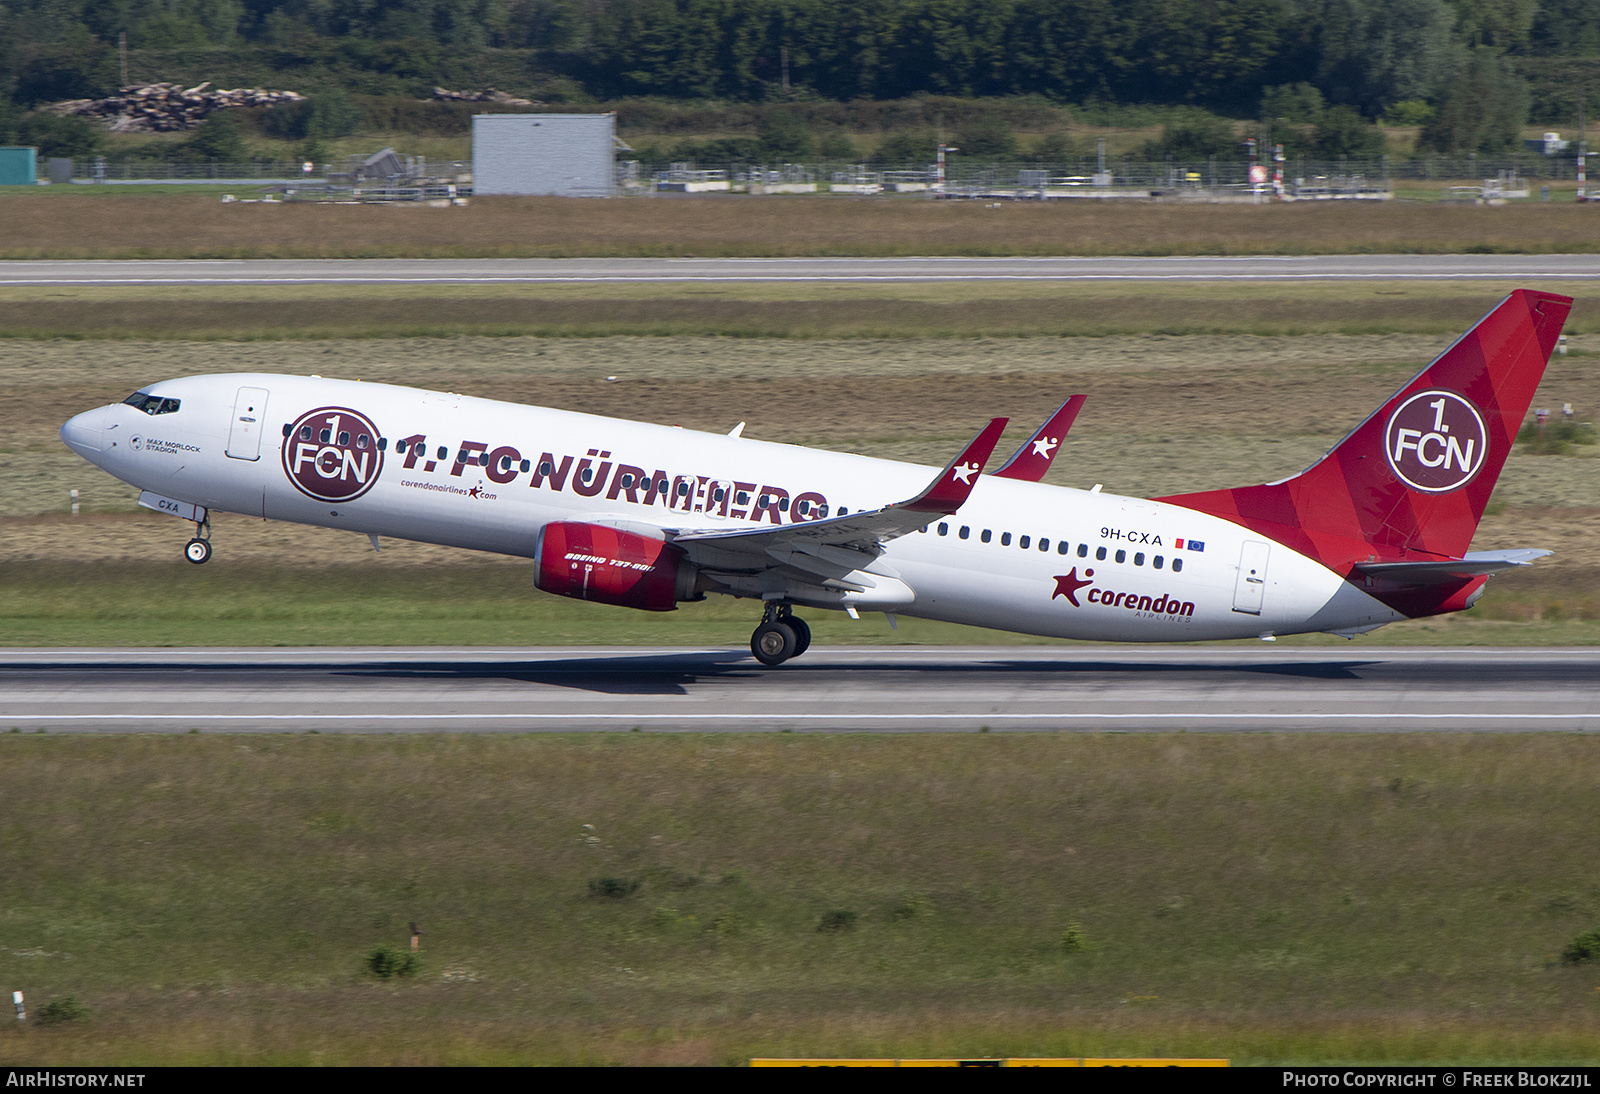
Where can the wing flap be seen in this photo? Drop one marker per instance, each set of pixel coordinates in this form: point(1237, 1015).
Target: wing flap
point(820, 558)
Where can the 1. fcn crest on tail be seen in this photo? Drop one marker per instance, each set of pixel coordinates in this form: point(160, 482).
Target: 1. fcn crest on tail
point(1436, 441)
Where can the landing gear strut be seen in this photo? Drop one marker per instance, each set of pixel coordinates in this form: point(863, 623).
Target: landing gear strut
point(198, 549)
point(781, 635)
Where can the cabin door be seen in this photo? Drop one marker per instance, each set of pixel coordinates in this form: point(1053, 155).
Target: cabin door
point(1252, 583)
point(249, 412)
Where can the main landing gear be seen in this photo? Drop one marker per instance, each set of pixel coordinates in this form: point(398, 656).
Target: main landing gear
point(781, 635)
point(198, 549)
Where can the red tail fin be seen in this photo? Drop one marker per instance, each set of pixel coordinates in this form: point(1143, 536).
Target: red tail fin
point(1412, 480)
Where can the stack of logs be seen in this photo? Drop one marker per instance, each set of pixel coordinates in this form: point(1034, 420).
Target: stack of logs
point(168, 108)
point(488, 95)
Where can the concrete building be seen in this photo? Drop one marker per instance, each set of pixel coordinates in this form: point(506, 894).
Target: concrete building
point(569, 155)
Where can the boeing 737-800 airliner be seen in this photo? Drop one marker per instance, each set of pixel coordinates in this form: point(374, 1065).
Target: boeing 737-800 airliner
point(647, 516)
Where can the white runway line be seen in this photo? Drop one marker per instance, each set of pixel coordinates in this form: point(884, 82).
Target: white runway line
point(574, 279)
point(841, 717)
point(800, 270)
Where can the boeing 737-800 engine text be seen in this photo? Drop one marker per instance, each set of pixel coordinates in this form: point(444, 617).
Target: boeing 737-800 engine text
point(648, 516)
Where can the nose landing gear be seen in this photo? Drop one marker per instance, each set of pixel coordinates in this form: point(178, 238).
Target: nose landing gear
point(781, 635)
point(198, 549)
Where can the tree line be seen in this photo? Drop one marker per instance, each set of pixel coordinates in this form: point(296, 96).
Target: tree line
point(1448, 63)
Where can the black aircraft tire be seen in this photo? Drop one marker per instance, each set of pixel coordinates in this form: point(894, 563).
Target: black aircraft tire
point(773, 644)
point(802, 634)
point(197, 551)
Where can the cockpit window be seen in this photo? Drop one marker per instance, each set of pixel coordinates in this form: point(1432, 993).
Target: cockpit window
point(152, 404)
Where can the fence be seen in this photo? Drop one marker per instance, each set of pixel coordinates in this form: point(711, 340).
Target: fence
point(1213, 172)
point(1133, 174)
point(103, 170)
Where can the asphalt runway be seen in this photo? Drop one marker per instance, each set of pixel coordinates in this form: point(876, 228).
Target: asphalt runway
point(830, 689)
point(486, 271)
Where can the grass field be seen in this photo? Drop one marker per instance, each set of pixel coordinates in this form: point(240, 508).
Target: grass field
point(92, 223)
point(683, 899)
point(641, 898)
point(372, 601)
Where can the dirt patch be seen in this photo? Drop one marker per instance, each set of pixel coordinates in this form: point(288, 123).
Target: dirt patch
point(791, 391)
point(96, 224)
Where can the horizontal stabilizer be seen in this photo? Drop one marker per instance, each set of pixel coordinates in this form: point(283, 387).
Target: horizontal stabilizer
point(1474, 564)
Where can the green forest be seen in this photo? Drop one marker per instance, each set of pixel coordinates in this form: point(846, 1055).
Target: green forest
point(1470, 73)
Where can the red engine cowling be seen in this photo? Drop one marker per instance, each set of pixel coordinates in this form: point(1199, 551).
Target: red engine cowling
point(612, 566)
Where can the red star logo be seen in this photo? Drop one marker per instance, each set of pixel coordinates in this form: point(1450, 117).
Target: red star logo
point(474, 491)
point(1067, 585)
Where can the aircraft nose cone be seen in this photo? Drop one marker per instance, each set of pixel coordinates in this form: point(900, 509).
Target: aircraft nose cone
point(82, 433)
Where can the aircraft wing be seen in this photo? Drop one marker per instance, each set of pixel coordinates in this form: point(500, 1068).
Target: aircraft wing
point(826, 550)
point(1033, 459)
point(1473, 564)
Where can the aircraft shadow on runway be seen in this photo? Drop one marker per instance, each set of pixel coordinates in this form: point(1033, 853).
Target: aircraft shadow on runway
point(656, 673)
point(651, 674)
point(675, 674)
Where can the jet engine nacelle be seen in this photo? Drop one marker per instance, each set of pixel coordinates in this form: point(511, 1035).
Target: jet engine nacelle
point(612, 566)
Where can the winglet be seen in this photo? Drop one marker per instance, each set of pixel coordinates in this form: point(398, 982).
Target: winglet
point(949, 491)
point(1032, 460)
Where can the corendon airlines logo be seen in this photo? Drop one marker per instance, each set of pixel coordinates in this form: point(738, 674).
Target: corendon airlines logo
point(1067, 585)
point(1070, 585)
point(331, 454)
point(1436, 442)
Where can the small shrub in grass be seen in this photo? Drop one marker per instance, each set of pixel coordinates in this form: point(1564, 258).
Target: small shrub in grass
point(387, 962)
point(1073, 940)
point(65, 1009)
point(910, 906)
point(612, 888)
point(1553, 438)
point(840, 919)
point(1586, 947)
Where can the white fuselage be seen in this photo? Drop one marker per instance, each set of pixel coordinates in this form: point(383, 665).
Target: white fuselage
point(1132, 570)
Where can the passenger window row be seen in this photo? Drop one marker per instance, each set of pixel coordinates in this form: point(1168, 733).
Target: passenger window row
point(363, 440)
point(1157, 562)
point(325, 435)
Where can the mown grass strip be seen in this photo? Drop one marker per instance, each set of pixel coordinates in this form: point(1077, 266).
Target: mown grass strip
point(758, 311)
point(659, 898)
point(231, 602)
